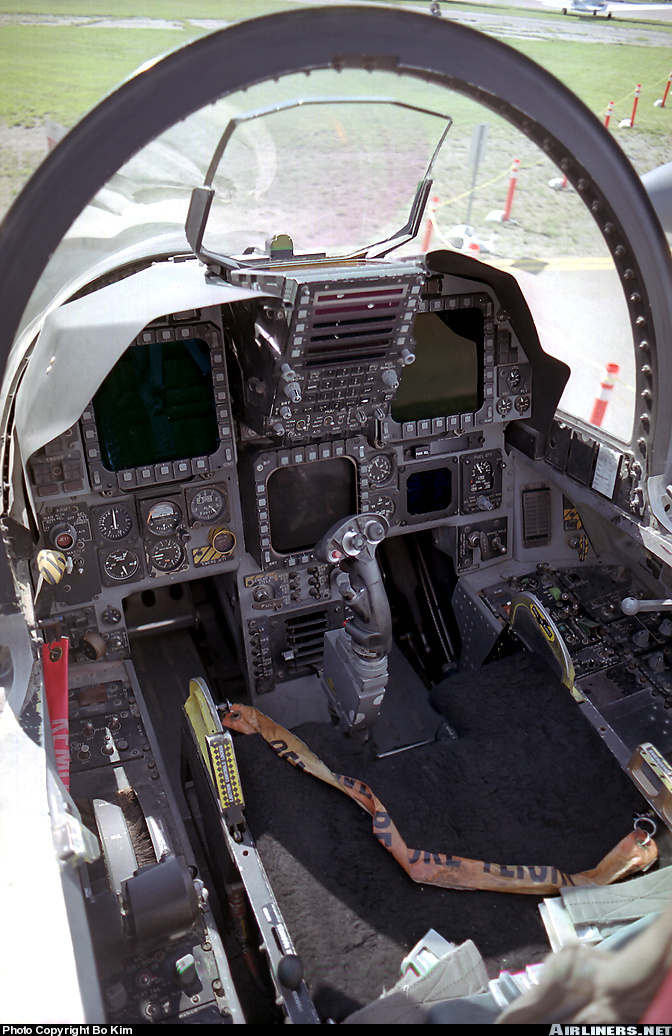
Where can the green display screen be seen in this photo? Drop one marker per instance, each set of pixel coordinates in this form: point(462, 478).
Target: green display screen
point(446, 378)
point(157, 404)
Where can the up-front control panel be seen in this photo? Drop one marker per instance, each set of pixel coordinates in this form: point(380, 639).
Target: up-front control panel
point(336, 353)
point(328, 350)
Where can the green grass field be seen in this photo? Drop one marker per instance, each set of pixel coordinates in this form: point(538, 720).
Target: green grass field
point(60, 71)
point(230, 10)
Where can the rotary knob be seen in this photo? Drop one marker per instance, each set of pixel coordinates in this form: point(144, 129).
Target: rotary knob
point(390, 379)
point(262, 592)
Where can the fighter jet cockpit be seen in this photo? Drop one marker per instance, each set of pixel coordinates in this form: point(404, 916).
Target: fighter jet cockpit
point(313, 492)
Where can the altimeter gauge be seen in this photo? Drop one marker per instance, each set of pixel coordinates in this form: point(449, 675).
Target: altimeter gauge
point(207, 505)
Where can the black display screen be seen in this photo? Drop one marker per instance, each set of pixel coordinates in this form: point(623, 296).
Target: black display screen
point(429, 491)
point(447, 376)
point(305, 500)
point(157, 404)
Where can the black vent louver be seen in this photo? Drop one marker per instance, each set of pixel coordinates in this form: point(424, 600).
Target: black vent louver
point(536, 507)
point(305, 638)
point(355, 324)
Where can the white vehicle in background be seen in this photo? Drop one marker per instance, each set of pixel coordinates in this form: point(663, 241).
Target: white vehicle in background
point(593, 7)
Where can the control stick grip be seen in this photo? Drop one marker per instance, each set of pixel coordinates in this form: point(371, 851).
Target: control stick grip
point(351, 544)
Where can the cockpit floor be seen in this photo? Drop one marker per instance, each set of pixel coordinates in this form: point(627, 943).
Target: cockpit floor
point(527, 781)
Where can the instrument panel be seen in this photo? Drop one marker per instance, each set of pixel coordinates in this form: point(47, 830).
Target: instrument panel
point(226, 441)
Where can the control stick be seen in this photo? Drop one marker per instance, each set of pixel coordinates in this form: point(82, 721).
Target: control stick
point(355, 657)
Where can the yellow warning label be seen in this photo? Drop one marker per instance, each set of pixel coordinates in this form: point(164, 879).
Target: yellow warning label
point(207, 556)
point(570, 517)
point(583, 547)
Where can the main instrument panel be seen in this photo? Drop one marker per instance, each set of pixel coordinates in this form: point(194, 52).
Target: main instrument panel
point(227, 440)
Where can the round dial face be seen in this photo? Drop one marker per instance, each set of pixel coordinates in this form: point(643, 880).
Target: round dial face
point(513, 378)
point(207, 505)
point(385, 506)
point(482, 477)
point(121, 564)
point(163, 518)
point(380, 470)
point(166, 555)
point(114, 522)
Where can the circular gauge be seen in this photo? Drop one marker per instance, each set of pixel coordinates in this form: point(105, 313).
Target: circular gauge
point(504, 405)
point(514, 378)
point(163, 518)
point(166, 555)
point(482, 477)
point(385, 506)
point(121, 564)
point(114, 522)
point(207, 505)
point(380, 470)
point(522, 404)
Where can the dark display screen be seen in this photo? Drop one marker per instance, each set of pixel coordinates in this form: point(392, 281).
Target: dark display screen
point(305, 500)
point(428, 491)
point(446, 378)
point(157, 404)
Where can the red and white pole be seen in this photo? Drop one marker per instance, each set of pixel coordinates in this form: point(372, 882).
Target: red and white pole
point(638, 90)
point(610, 108)
point(604, 395)
point(515, 166)
point(661, 103)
